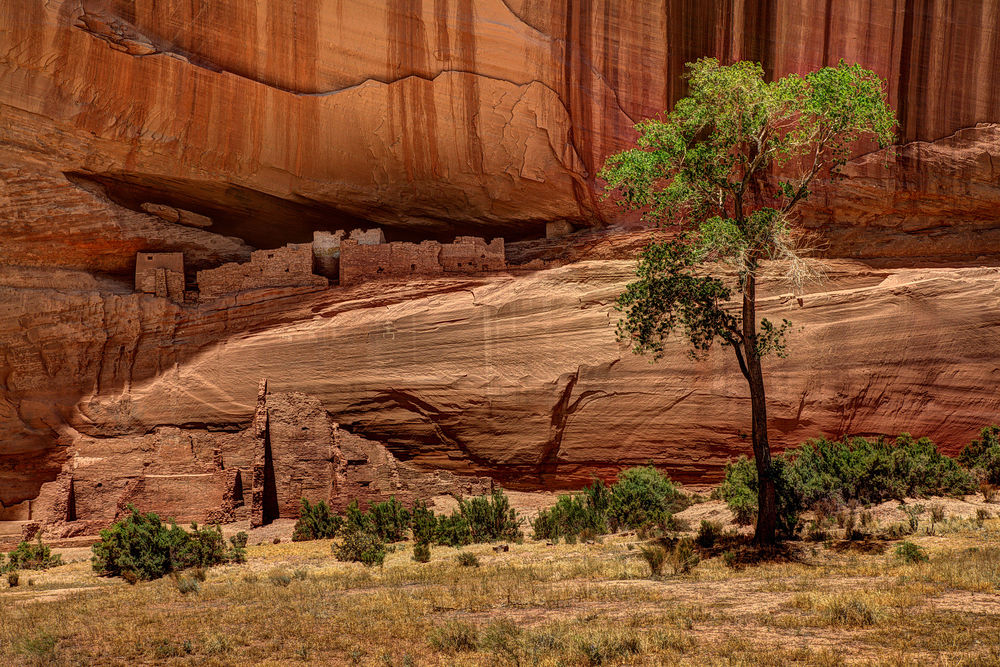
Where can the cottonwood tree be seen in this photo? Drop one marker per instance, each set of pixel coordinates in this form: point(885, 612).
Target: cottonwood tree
point(725, 171)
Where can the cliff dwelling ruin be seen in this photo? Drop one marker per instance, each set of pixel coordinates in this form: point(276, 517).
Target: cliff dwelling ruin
point(345, 259)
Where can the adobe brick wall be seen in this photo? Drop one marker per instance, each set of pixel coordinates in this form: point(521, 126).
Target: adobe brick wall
point(161, 274)
point(289, 266)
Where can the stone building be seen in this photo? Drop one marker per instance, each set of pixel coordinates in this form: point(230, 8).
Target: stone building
point(289, 266)
point(161, 274)
point(467, 255)
point(326, 248)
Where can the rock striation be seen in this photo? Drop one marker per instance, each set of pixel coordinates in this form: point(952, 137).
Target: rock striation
point(157, 128)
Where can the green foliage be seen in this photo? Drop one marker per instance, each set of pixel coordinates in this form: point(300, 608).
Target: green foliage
point(909, 552)
point(573, 515)
point(491, 518)
point(739, 490)
point(421, 552)
point(982, 455)
point(356, 520)
point(825, 472)
point(28, 556)
point(453, 530)
point(390, 520)
point(468, 559)
point(423, 523)
point(641, 495)
point(708, 533)
point(360, 546)
point(316, 522)
point(705, 166)
point(141, 547)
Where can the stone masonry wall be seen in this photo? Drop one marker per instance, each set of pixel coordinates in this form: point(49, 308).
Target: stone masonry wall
point(161, 274)
point(467, 255)
point(290, 266)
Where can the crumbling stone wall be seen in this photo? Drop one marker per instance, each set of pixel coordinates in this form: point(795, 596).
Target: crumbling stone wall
point(161, 274)
point(467, 255)
point(326, 248)
point(289, 266)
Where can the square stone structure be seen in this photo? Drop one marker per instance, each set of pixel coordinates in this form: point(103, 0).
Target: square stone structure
point(468, 255)
point(326, 248)
point(160, 274)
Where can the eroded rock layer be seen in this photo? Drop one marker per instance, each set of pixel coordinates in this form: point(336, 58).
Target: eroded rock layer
point(214, 129)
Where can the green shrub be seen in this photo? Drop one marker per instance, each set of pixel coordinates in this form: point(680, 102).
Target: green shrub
point(468, 559)
point(490, 518)
point(708, 534)
point(13, 578)
point(983, 455)
point(360, 546)
point(655, 556)
point(421, 552)
point(909, 552)
point(141, 547)
point(453, 530)
point(739, 490)
point(641, 495)
point(27, 556)
point(573, 515)
point(356, 520)
point(316, 522)
point(389, 520)
point(423, 523)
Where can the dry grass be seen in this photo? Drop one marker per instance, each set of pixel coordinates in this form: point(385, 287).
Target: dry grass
point(583, 604)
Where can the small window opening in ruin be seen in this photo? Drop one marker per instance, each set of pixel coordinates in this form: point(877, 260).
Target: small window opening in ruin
point(482, 257)
point(380, 269)
point(413, 267)
point(149, 257)
point(270, 255)
point(460, 264)
point(286, 270)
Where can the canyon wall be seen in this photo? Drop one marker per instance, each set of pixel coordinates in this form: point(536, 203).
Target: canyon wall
point(437, 118)
point(428, 116)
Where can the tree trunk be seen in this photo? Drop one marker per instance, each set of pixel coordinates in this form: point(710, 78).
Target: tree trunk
point(767, 509)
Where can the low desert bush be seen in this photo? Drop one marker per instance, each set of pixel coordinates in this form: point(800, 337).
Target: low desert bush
point(467, 559)
point(279, 577)
point(640, 495)
point(490, 518)
point(316, 522)
point(186, 583)
point(684, 557)
point(421, 552)
point(453, 530)
point(13, 579)
point(908, 552)
point(825, 473)
point(389, 520)
point(423, 523)
point(141, 547)
point(28, 556)
point(575, 515)
point(708, 534)
point(982, 458)
point(360, 546)
point(655, 556)
point(454, 637)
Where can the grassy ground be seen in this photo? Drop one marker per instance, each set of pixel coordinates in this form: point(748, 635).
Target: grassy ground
point(582, 604)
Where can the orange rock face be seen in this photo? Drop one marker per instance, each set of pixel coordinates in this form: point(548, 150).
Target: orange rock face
point(272, 120)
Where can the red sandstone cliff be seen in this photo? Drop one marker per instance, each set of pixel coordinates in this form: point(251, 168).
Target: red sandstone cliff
point(435, 118)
